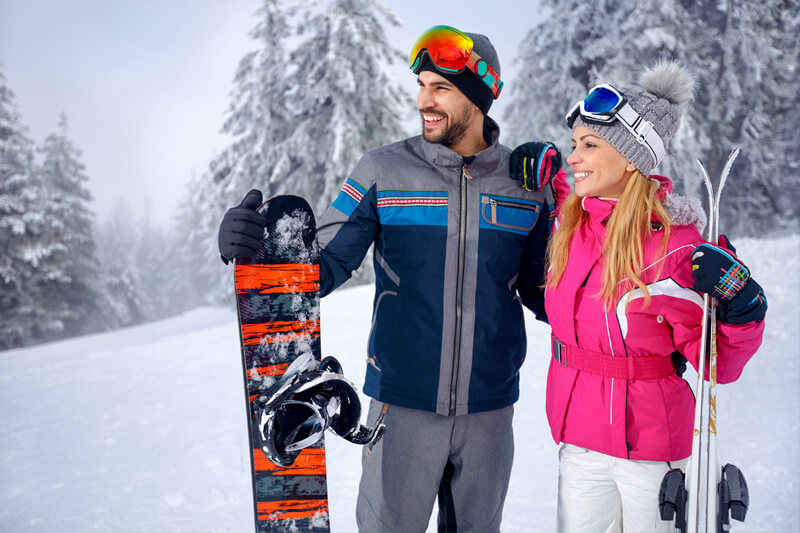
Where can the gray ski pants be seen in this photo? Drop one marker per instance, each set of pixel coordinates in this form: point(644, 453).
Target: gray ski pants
point(403, 472)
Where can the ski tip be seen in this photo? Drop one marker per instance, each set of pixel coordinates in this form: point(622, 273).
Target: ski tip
point(702, 167)
point(731, 158)
point(706, 180)
point(726, 170)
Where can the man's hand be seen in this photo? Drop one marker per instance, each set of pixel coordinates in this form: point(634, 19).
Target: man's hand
point(242, 228)
point(534, 164)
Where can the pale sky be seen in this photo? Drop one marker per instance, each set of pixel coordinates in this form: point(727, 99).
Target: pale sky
point(145, 84)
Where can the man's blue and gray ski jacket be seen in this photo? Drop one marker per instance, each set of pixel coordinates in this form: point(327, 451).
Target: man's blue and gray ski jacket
point(447, 328)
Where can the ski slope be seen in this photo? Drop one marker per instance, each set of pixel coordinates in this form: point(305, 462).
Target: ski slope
point(143, 429)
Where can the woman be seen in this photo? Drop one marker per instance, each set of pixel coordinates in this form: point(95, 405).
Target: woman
point(627, 270)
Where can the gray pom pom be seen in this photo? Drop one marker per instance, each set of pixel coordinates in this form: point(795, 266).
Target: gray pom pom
point(668, 80)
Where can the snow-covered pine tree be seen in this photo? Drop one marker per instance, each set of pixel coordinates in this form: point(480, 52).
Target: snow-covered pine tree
point(204, 278)
point(72, 297)
point(579, 45)
point(344, 100)
point(123, 300)
point(555, 68)
point(745, 58)
point(258, 117)
point(24, 269)
point(159, 274)
point(142, 279)
point(257, 121)
point(300, 119)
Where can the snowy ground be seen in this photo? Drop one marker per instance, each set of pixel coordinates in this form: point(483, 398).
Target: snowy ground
point(142, 430)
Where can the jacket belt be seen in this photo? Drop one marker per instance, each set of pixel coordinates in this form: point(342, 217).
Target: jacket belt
point(629, 368)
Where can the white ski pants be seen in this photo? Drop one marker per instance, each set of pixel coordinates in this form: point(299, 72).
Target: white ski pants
point(599, 493)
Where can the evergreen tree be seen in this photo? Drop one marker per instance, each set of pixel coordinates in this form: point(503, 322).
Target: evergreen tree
point(556, 65)
point(258, 117)
point(203, 277)
point(580, 45)
point(24, 266)
point(159, 274)
point(744, 56)
point(300, 120)
point(123, 299)
point(73, 296)
point(258, 122)
point(344, 100)
point(751, 89)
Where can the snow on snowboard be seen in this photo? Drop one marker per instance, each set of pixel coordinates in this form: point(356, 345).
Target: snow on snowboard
point(277, 298)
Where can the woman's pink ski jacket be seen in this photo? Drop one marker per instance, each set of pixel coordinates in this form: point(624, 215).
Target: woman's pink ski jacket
point(638, 419)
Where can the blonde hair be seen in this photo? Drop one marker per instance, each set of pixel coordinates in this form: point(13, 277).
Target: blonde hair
point(626, 230)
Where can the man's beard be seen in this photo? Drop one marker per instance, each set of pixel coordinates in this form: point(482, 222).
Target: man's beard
point(454, 132)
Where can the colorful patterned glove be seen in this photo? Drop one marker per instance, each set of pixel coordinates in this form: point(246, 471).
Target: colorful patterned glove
point(719, 273)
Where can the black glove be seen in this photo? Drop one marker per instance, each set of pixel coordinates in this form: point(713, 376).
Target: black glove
point(719, 273)
point(534, 164)
point(242, 228)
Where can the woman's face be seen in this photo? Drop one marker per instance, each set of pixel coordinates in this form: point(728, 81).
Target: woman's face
point(599, 169)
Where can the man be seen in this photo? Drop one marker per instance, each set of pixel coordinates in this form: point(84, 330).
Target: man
point(450, 230)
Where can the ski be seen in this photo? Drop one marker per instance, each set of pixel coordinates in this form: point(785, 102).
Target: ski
point(707, 496)
point(277, 301)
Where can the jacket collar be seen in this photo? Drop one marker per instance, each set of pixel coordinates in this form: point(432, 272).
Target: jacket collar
point(440, 155)
point(598, 209)
point(601, 208)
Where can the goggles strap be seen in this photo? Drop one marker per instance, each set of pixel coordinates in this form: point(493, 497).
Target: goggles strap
point(642, 130)
point(481, 68)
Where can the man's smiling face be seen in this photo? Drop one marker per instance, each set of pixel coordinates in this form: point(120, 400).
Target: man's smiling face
point(446, 112)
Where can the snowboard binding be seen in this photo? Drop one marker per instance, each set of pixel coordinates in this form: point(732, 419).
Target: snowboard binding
point(311, 397)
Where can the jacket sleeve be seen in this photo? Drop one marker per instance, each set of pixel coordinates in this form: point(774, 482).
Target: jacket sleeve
point(736, 344)
point(530, 280)
point(348, 227)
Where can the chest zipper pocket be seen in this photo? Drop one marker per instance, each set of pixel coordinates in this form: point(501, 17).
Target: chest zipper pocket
point(509, 214)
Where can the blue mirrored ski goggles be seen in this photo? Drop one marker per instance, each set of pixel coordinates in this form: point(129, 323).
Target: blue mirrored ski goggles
point(604, 104)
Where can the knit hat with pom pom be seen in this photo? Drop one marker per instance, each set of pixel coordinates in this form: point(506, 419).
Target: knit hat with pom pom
point(657, 98)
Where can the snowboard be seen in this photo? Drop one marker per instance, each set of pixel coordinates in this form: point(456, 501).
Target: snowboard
point(277, 300)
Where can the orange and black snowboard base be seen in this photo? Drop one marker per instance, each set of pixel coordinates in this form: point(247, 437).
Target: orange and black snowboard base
point(277, 298)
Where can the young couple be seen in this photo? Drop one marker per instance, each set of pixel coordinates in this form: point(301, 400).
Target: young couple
point(458, 244)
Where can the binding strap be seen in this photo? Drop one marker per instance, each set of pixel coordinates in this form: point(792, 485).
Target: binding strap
point(628, 368)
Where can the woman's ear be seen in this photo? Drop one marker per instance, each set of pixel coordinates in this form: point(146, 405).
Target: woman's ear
point(630, 167)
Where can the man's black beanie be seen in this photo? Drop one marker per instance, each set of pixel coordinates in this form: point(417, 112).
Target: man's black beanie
point(467, 82)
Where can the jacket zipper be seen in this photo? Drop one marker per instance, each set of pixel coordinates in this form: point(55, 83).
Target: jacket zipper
point(462, 237)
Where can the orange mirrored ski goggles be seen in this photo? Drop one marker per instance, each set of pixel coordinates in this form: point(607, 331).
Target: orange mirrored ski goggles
point(450, 51)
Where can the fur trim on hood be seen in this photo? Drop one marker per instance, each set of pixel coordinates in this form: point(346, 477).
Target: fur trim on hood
point(682, 210)
point(685, 210)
